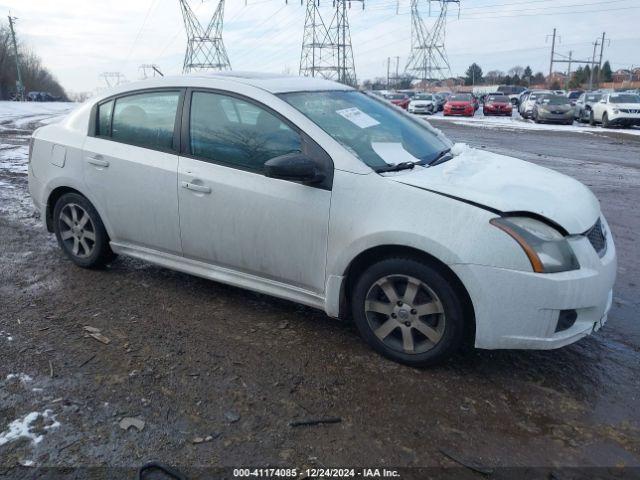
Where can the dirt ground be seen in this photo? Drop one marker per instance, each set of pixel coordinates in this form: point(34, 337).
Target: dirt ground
point(217, 374)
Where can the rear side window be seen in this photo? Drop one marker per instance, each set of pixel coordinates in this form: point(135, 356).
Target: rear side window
point(104, 119)
point(237, 133)
point(146, 119)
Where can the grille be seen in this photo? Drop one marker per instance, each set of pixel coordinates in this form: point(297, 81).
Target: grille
point(597, 238)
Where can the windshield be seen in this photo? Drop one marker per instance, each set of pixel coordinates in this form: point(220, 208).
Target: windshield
point(498, 98)
point(423, 97)
point(460, 98)
point(593, 98)
point(573, 95)
point(372, 130)
point(554, 100)
point(624, 98)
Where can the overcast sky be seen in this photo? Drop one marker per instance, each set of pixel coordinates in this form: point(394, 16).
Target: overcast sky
point(79, 39)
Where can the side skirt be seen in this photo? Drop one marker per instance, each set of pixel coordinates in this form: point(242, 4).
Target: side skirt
point(222, 274)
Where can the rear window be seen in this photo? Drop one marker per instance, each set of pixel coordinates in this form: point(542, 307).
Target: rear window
point(146, 119)
point(498, 98)
point(460, 98)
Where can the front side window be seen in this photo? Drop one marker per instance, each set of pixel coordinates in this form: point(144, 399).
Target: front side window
point(370, 129)
point(146, 119)
point(234, 132)
point(104, 119)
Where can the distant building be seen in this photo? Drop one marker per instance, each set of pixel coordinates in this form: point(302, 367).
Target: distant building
point(626, 75)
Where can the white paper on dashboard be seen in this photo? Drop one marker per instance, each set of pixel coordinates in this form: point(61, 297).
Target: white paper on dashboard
point(392, 153)
point(358, 117)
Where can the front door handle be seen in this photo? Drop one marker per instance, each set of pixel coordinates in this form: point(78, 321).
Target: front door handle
point(196, 188)
point(98, 161)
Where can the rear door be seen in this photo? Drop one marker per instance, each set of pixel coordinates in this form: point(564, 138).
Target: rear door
point(231, 215)
point(131, 168)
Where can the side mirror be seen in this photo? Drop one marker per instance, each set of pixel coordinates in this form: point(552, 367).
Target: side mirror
point(296, 167)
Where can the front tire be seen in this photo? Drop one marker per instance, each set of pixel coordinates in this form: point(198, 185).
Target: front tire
point(80, 232)
point(592, 118)
point(605, 120)
point(408, 311)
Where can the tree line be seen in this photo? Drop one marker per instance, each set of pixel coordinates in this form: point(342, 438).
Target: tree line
point(525, 77)
point(35, 76)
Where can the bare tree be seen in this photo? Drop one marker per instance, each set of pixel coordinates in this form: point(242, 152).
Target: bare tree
point(517, 70)
point(35, 76)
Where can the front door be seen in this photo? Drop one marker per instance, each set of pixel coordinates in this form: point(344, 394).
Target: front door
point(231, 215)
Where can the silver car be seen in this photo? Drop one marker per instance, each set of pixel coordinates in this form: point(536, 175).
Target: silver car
point(553, 109)
point(584, 105)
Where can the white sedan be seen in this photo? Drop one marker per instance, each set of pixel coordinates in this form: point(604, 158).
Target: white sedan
point(616, 109)
point(315, 192)
point(423, 103)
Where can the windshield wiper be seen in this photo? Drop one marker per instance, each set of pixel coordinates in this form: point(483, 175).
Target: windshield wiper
point(441, 157)
point(397, 167)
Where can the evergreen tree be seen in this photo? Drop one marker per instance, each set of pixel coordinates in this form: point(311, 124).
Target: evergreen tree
point(607, 74)
point(473, 75)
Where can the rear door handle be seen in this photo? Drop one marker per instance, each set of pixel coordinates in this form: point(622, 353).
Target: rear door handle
point(196, 188)
point(98, 161)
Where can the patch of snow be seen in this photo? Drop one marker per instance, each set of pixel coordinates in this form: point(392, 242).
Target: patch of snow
point(516, 122)
point(7, 336)
point(23, 377)
point(23, 113)
point(22, 428)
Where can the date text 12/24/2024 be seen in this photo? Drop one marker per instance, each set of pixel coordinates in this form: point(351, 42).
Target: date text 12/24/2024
point(314, 473)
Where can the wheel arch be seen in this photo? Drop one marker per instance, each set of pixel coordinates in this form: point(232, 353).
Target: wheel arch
point(55, 195)
point(374, 254)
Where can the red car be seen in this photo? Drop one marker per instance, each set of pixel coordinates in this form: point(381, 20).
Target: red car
point(459, 104)
point(399, 99)
point(497, 105)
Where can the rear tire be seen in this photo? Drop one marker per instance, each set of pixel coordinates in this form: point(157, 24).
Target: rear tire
point(80, 232)
point(408, 311)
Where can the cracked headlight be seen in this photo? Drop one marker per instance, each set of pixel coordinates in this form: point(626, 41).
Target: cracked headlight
point(547, 249)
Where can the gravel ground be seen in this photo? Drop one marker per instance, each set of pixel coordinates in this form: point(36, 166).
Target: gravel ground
point(217, 373)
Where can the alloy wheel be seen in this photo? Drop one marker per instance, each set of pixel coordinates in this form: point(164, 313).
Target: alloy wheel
point(405, 314)
point(77, 231)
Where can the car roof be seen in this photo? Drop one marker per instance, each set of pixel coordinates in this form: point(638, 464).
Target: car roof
point(275, 82)
point(270, 82)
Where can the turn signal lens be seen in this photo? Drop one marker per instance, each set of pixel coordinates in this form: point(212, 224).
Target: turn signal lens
point(546, 248)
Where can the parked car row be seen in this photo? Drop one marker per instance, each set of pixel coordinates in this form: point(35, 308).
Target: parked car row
point(608, 108)
point(416, 102)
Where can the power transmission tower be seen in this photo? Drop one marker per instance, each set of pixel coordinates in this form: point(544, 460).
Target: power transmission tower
point(113, 79)
point(19, 85)
point(326, 49)
point(428, 57)
point(205, 49)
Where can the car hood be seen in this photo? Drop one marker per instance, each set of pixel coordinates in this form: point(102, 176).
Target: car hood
point(507, 184)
